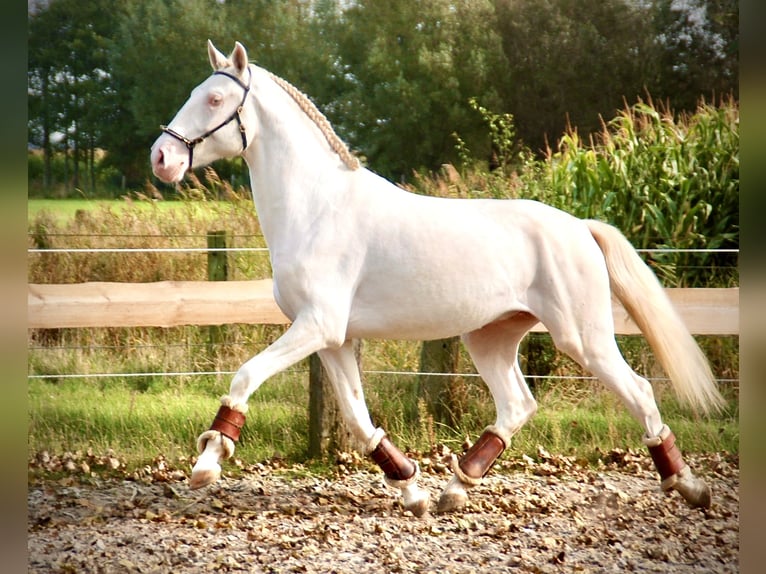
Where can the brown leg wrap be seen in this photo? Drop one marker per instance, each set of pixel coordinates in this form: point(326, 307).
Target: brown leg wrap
point(392, 461)
point(480, 457)
point(228, 422)
point(667, 457)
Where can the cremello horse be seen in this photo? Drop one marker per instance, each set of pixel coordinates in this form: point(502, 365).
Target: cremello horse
point(356, 257)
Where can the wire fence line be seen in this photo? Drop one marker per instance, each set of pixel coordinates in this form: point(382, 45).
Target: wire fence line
point(261, 237)
point(146, 235)
point(305, 371)
point(261, 249)
point(142, 249)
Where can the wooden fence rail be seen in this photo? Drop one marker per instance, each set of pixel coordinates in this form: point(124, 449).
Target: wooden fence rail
point(175, 303)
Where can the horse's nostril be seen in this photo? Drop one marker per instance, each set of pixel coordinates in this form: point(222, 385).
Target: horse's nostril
point(160, 158)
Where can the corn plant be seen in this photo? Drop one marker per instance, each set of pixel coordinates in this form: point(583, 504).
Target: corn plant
point(667, 183)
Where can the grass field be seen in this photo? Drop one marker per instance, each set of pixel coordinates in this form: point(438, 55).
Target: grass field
point(65, 210)
point(140, 423)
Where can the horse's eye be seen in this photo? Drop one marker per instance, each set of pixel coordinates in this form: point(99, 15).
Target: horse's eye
point(215, 100)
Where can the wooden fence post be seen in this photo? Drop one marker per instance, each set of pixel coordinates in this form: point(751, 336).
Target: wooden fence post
point(444, 395)
point(328, 432)
point(217, 270)
point(217, 262)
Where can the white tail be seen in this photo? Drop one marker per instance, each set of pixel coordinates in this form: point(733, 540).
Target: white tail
point(639, 291)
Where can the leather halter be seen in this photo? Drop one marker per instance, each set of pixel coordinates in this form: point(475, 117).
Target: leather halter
point(236, 115)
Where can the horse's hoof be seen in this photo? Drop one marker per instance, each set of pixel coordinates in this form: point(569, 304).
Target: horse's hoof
point(451, 501)
point(419, 506)
point(704, 500)
point(697, 494)
point(200, 478)
point(695, 491)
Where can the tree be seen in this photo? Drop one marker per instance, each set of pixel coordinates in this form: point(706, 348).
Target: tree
point(69, 79)
point(42, 109)
point(396, 79)
point(158, 55)
point(571, 61)
point(697, 51)
point(575, 62)
point(294, 40)
point(411, 68)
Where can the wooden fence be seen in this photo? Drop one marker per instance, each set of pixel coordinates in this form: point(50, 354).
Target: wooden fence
point(175, 303)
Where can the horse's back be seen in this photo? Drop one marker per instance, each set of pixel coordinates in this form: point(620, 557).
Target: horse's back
point(476, 236)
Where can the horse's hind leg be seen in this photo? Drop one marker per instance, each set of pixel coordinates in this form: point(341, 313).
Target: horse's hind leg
point(400, 472)
point(596, 350)
point(494, 350)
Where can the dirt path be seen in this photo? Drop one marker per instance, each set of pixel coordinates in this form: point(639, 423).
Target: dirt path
point(548, 515)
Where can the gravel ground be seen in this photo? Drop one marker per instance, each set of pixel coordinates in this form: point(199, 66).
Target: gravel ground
point(544, 515)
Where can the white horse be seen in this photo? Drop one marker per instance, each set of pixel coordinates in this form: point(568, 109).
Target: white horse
point(356, 257)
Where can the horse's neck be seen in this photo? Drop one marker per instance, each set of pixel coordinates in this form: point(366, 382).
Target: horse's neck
point(290, 199)
point(294, 174)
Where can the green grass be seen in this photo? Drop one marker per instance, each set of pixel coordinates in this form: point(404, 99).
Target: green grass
point(141, 418)
point(141, 421)
point(586, 428)
point(141, 224)
point(165, 419)
point(578, 418)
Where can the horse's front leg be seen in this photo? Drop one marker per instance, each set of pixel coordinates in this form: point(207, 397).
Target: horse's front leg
point(304, 337)
point(400, 472)
point(217, 443)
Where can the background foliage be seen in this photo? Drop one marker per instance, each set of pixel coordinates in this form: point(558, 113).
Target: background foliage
point(395, 78)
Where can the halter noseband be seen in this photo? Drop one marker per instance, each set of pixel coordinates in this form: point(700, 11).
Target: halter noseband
point(236, 115)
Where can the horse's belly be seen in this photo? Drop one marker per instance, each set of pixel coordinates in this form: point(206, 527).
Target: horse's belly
point(411, 317)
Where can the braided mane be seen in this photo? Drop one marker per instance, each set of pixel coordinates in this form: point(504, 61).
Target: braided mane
point(337, 145)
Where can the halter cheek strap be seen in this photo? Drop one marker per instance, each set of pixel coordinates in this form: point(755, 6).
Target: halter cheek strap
point(236, 115)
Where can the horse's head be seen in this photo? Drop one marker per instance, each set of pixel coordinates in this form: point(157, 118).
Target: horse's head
point(210, 125)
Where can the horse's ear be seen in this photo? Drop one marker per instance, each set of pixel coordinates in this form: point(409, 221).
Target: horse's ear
point(217, 59)
point(239, 57)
